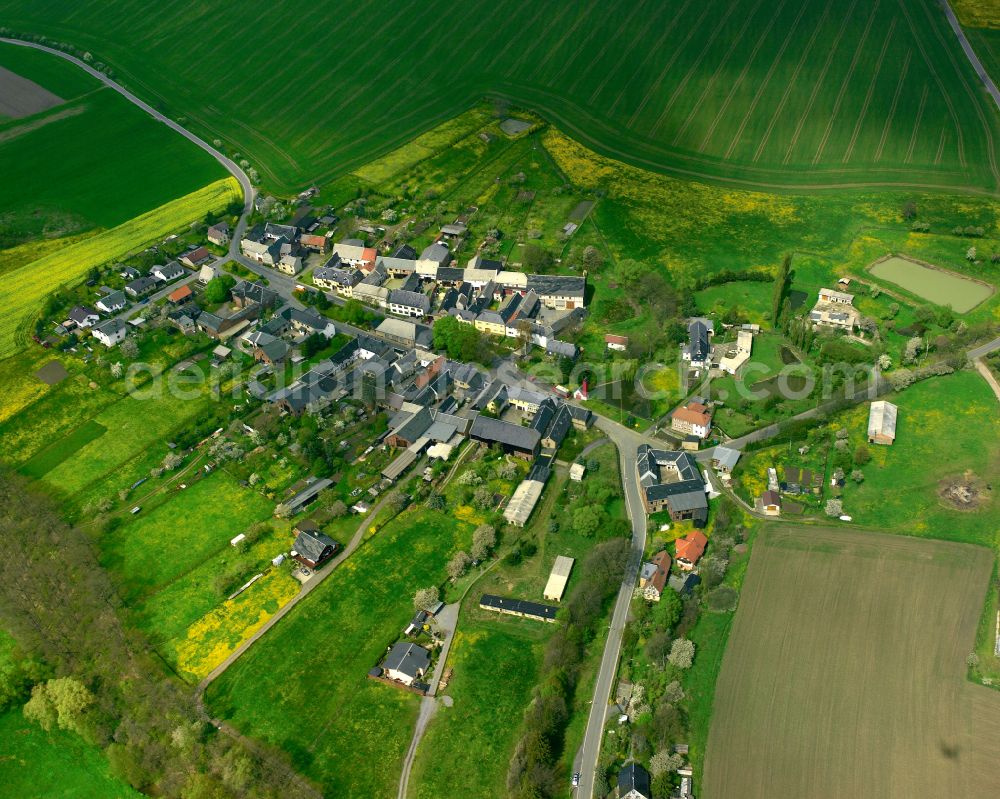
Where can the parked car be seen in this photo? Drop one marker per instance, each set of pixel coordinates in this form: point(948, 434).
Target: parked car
point(576, 779)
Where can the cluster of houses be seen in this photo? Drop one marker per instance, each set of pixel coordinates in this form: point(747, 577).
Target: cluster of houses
point(101, 322)
point(671, 481)
point(482, 293)
point(655, 576)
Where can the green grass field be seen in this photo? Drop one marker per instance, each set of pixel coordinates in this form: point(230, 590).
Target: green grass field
point(164, 543)
point(97, 161)
point(303, 686)
point(45, 461)
point(773, 94)
point(53, 765)
point(856, 640)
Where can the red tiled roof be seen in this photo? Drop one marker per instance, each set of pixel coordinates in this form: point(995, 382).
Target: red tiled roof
point(610, 338)
point(691, 417)
point(180, 294)
point(692, 546)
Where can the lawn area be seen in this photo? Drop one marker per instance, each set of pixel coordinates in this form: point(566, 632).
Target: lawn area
point(749, 297)
point(955, 414)
point(792, 94)
point(45, 461)
point(53, 765)
point(488, 712)
point(162, 544)
point(303, 686)
point(876, 672)
point(496, 662)
point(133, 424)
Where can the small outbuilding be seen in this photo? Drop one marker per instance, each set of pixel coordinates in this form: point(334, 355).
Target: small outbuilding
point(558, 578)
point(882, 423)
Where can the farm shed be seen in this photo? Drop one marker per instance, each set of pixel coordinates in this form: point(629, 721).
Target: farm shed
point(558, 578)
point(518, 607)
point(523, 502)
point(882, 422)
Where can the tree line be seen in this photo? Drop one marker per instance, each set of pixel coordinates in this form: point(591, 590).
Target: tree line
point(98, 678)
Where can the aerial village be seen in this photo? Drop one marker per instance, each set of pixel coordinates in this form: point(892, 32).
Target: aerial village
point(375, 361)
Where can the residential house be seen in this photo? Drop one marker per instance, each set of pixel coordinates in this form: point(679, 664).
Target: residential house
point(698, 350)
point(518, 607)
point(882, 422)
point(436, 253)
point(525, 399)
point(835, 297)
point(582, 417)
point(406, 663)
point(514, 439)
point(267, 348)
point(165, 273)
point(835, 309)
point(672, 481)
point(634, 782)
point(315, 241)
point(196, 257)
point(689, 549)
point(336, 278)
point(218, 234)
point(113, 302)
point(409, 303)
point(653, 576)
point(405, 334)
point(208, 273)
point(140, 287)
point(289, 263)
point(246, 293)
point(770, 503)
point(353, 252)
point(693, 419)
point(110, 332)
point(312, 547)
point(180, 294)
point(84, 317)
point(617, 343)
point(737, 356)
point(409, 429)
point(492, 399)
point(559, 292)
point(557, 429)
point(306, 322)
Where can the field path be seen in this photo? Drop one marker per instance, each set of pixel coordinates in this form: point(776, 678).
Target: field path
point(988, 376)
point(307, 589)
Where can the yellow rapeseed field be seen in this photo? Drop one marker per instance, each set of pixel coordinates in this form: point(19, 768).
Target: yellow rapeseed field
point(26, 287)
point(977, 13)
point(216, 635)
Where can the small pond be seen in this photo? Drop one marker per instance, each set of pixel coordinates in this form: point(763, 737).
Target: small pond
point(935, 285)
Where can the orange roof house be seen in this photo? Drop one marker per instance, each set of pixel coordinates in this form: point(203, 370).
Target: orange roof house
point(180, 294)
point(690, 549)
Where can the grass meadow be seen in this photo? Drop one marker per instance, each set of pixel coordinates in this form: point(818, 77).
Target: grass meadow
point(303, 686)
point(161, 545)
point(53, 765)
point(32, 282)
point(769, 94)
point(859, 640)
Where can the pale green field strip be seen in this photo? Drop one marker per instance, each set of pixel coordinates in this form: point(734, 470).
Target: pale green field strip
point(845, 674)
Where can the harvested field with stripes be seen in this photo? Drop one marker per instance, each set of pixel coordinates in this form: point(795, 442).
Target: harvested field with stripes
point(845, 672)
point(809, 94)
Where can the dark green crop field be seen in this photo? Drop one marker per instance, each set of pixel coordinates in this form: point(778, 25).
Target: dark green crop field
point(94, 161)
point(802, 93)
